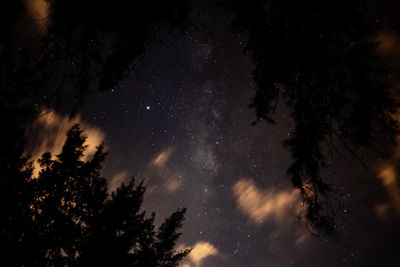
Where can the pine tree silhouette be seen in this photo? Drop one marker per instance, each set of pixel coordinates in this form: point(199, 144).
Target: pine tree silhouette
point(317, 56)
point(68, 218)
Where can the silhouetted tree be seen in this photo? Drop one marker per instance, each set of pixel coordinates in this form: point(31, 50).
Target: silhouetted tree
point(320, 58)
point(16, 229)
point(82, 46)
point(66, 217)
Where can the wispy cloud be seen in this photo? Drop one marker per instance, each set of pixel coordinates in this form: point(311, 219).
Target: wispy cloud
point(389, 178)
point(388, 173)
point(200, 251)
point(161, 159)
point(37, 10)
point(263, 206)
point(389, 43)
point(172, 179)
point(117, 180)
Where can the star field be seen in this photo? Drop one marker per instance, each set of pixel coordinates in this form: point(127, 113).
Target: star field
point(181, 123)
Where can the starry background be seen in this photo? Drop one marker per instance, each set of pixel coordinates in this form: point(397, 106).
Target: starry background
point(181, 123)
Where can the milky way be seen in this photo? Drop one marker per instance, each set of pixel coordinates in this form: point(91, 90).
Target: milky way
point(181, 123)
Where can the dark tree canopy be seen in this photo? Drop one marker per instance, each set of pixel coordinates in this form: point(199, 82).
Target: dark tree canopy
point(82, 46)
point(321, 59)
point(66, 216)
point(318, 56)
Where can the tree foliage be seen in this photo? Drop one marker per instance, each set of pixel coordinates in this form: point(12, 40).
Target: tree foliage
point(81, 46)
point(321, 59)
point(318, 56)
point(67, 217)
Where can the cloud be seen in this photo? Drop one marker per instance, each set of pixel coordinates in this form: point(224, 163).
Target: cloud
point(302, 236)
point(388, 43)
point(173, 184)
point(117, 180)
point(48, 134)
point(200, 251)
point(389, 47)
point(270, 205)
point(388, 173)
point(388, 176)
point(172, 180)
point(382, 210)
point(162, 158)
point(37, 10)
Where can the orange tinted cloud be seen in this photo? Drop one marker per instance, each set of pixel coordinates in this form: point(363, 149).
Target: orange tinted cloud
point(200, 251)
point(162, 158)
point(262, 206)
point(302, 236)
point(388, 173)
point(48, 134)
point(172, 180)
point(173, 184)
point(388, 43)
point(117, 180)
point(389, 47)
point(389, 178)
point(38, 11)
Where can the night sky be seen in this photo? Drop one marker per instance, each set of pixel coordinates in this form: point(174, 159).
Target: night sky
point(181, 123)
